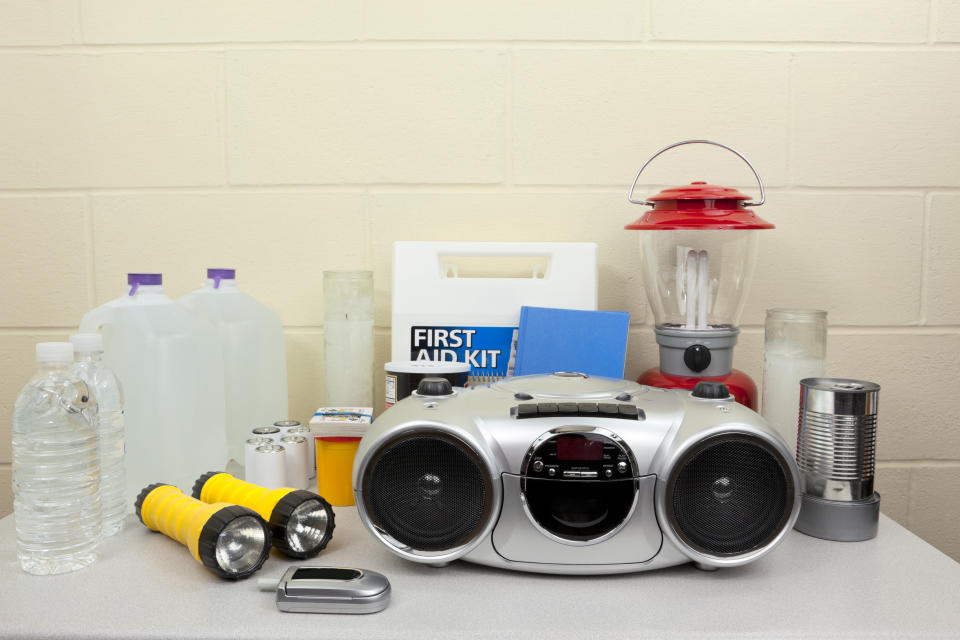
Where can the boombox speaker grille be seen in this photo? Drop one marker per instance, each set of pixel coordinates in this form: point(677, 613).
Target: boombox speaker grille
point(729, 495)
point(427, 490)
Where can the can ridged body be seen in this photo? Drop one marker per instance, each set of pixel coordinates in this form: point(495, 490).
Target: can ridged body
point(836, 443)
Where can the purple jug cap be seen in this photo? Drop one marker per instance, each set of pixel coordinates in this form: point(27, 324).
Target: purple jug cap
point(221, 274)
point(136, 280)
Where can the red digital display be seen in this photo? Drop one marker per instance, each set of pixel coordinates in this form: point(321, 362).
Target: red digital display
point(579, 448)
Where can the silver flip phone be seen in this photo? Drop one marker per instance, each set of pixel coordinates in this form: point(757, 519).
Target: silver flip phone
point(332, 590)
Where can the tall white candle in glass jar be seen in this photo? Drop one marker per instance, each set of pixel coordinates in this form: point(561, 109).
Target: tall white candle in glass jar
point(348, 338)
point(795, 347)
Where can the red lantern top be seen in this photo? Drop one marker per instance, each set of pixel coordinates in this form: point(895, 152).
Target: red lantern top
point(699, 206)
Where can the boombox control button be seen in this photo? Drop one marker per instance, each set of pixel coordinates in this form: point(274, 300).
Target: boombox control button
point(547, 408)
point(585, 409)
point(608, 473)
point(608, 408)
point(523, 396)
point(538, 465)
point(526, 410)
point(711, 389)
point(588, 474)
point(551, 472)
point(572, 474)
point(434, 387)
point(622, 467)
point(567, 408)
point(629, 411)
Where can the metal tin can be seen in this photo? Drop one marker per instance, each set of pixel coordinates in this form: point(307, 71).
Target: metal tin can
point(836, 455)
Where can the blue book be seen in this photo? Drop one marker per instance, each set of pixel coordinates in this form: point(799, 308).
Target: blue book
point(591, 342)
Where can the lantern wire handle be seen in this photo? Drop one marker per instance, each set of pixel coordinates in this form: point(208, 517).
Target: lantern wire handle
point(633, 187)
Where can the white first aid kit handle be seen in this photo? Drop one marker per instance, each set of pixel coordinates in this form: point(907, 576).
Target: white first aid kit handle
point(569, 262)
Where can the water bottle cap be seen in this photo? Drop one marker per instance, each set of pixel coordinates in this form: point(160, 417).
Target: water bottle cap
point(87, 342)
point(54, 352)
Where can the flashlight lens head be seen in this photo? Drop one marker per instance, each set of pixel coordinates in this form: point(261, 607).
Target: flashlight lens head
point(240, 546)
point(308, 526)
point(302, 524)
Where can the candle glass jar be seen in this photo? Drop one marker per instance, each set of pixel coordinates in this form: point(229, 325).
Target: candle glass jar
point(795, 347)
point(348, 338)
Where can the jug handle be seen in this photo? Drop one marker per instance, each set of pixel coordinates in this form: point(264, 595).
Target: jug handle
point(94, 319)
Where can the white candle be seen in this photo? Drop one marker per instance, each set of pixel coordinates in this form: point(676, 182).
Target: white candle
point(782, 373)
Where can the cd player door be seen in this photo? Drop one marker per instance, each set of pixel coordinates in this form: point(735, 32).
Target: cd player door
point(578, 501)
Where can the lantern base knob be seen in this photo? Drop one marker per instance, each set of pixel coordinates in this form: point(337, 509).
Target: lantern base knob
point(703, 353)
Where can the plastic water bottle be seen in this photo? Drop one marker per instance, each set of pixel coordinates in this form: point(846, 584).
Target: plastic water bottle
point(254, 356)
point(56, 500)
point(172, 373)
point(101, 381)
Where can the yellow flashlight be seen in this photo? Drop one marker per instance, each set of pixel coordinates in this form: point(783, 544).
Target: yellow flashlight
point(301, 521)
point(230, 540)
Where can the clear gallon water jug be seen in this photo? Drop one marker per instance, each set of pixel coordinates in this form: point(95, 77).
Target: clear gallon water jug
point(254, 356)
point(172, 373)
point(56, 484)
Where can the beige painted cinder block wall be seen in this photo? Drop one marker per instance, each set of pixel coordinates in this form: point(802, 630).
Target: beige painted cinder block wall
point(286, 138)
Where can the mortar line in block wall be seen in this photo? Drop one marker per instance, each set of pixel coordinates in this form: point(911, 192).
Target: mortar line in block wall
point(838, 330)
point(77, 31)
point(439, 187)
point(791, 120)
point(427, 45)
point(90, 251)
point(919, 463)
point(61, 332)
point(508, 123)
point(648, 22)
point(854, 329)
point(225, 119)
point(924, 257)
point(933, 15)
point(368, 233)
point(318, 329)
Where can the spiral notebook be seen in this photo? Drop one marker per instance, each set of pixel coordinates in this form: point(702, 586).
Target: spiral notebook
point(591, 342)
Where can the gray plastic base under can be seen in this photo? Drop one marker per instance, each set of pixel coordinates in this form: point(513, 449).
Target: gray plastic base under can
point(841, 521)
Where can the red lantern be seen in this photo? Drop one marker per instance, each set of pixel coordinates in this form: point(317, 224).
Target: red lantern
point(699, 247)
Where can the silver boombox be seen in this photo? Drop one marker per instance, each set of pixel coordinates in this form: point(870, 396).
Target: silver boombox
point(572, 474)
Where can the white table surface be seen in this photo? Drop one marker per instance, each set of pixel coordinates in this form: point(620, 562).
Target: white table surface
point(145, 585)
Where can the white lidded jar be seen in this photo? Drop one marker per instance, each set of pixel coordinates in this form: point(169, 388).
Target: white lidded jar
point(56, 484)
point(172, 373)
point(253, 353)
point(794, 348)
point(106, 389)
